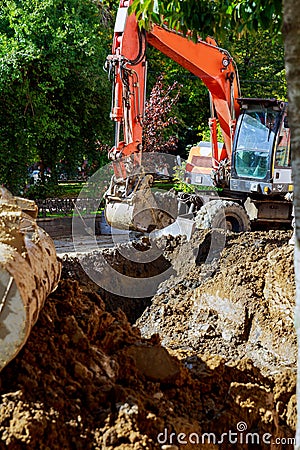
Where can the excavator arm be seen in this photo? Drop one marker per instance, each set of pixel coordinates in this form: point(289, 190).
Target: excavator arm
point(127, 64)
point(127, 68)
point(214, 66)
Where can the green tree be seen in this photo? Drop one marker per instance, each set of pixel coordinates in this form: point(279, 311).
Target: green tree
point(53, 90)
point(260, 61)
point(216, 18)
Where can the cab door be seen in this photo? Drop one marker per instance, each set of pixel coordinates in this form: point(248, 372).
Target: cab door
point(282, 175)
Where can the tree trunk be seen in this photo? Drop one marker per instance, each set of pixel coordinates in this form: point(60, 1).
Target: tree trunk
point(291, 32)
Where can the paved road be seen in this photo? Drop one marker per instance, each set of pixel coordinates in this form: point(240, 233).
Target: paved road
point(86, 244)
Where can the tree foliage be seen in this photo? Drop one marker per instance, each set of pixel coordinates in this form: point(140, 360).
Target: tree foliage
point(259, 58)
point(53, 91)
point(211, 17)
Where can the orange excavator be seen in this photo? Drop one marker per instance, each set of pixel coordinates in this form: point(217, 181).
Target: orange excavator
point(251, 167)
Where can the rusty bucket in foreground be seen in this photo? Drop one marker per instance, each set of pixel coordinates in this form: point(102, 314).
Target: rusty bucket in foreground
point(29, 272)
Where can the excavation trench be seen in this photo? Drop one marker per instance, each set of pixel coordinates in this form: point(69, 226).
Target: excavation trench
point(211, 351)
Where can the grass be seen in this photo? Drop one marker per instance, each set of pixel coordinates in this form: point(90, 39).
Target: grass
point(70, 214)
point(70, 189)
point(164, 185)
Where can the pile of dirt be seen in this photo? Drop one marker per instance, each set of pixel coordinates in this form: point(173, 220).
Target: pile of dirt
point(88, 378)
point(240, 304)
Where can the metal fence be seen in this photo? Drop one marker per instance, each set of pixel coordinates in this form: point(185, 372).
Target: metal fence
point(65, 206)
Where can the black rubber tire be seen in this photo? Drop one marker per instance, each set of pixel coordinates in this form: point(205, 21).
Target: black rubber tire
point(224, 214)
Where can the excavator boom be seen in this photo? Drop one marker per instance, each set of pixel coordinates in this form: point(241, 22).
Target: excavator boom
point(127, 64)
point(215, 67)
point(127, 68)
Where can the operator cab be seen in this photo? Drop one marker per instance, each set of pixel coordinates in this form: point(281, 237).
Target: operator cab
point(261, 148)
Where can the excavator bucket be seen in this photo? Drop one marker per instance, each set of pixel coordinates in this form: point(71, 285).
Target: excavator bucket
point(145, 210)
point(136, 204)
point(29, 271)
point(148, 211)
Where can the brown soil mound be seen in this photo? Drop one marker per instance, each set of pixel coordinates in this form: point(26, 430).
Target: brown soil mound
point(87, 379)
point(236, 306)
